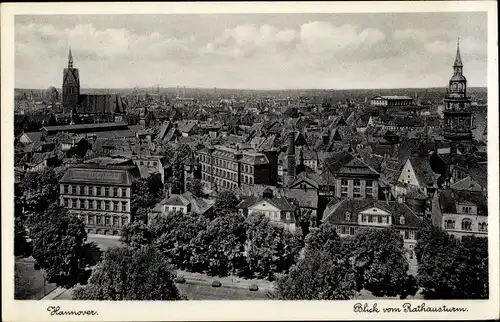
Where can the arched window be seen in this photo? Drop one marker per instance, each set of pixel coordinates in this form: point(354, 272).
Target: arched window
point(466, 224)
point(483, 226)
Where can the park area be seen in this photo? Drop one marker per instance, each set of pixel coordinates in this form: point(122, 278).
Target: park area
point(29, 283)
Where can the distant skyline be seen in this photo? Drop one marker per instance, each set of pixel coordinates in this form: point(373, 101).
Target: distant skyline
point(257, 51)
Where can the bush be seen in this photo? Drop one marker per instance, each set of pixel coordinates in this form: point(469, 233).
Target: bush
point(180, 279)
point(216, 284)
point(253, 287)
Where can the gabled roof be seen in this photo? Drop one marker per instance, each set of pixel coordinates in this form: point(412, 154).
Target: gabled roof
point(337, 208)
point(423, 170)
point(279, 202)
point(467, 184)
point(449, 199)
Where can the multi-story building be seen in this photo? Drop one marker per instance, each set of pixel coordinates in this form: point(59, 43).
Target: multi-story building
point(461, 213)
point(100, 195)
point(228, 168)
point(350, 216)
point(391, 101)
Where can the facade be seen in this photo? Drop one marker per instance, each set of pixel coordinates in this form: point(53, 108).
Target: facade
point(100, 195)
point(350, 216)
point(183, 203)
point(457, 113)
point(391, 101)
point(228, 168)
point(461, 213)
point(278, 209)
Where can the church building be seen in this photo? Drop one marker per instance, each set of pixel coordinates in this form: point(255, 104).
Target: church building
point(106, 106)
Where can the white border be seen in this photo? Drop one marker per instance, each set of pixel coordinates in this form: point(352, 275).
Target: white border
point(237, 310)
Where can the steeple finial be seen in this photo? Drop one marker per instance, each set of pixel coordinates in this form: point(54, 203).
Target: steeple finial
point(70, 59)
point(458, 59)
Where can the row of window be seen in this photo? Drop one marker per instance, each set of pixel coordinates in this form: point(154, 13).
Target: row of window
point(356, 183)
point(465, 225)
point(227, 164)
point(226, 183)
point(148, 163)
point(104, 220)
point(95, 191)
point(353, 230)
point(107, 205)
point(103, 232)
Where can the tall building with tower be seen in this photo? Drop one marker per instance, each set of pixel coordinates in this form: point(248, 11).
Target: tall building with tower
point(71, 86)
point(457, 112)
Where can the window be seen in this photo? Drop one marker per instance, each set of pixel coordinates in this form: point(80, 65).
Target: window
point(115, 205)
point(407, 234)
point(155, 163)
point(467, 210)
point(357, 182)
point(449, 224)
point(82, 190)
point(384, 219)
point(98, 219)
point(343, 182)
point(347, 216)
point(73, 203)
point(66, 188)
point(379, 219)
point(106, 220)
point(73, 190)
point(106, 191)
point(369, 184)
point(370, 218)
point(124, 192)
point(466, 224)
point(99, 204)
point(82, 203)
point(91, 219)
point(124, 221)
point(106, 205)
point(402, 220)
point(115, 221)
point(99, 191)
point(66, 202)
point(483, 226)
point(115, 192)
point(288, 216)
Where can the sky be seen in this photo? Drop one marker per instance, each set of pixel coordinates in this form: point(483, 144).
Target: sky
point(254, 51)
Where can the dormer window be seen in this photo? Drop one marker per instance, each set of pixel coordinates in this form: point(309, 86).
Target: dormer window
point(402, 220)
point(347, 216)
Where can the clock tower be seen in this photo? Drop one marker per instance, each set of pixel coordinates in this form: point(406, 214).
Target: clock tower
point(457, 113)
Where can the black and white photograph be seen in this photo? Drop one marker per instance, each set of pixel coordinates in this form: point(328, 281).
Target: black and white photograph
point(253, 157)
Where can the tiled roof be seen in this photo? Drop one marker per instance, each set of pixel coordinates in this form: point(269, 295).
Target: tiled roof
point(101, 103)
point(423, 170)
point(90, 127)
point(448, 200)
point(279, 202)
point(95, 174)
point(336, 209)
point(305, 199)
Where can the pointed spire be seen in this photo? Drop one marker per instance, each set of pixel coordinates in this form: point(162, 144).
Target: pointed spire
point(70, 59)
point(458, 59)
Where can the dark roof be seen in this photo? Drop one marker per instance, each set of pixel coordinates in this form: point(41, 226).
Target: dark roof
point(336, 209)
point(96, 174)
point(305, 199)
point(448, 200)
point(101, 103)
point(85, 127)
point(279, 202)
point(423, 170)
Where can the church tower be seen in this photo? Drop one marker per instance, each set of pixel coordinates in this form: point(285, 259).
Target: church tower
point(71, 86)
point(457, 113)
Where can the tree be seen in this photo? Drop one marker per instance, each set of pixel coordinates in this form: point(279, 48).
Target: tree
point(40, 189)
point(22, 247)
point(305, 220)
point(450, 268)
point(128, 274)
point(136, 234)
point(196, 188)
point(225, 203)
point(270, 249)
point(320, 275)
point(379, 258)
point(174, 234)
point(146, 194)
point(176, 182)
point(324, 237)
point(59, 246)
point(218, 250)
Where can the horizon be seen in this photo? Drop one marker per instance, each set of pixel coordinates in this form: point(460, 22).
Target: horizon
point(259, 51)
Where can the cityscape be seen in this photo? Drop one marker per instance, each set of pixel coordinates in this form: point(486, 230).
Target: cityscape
point(256, 177)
